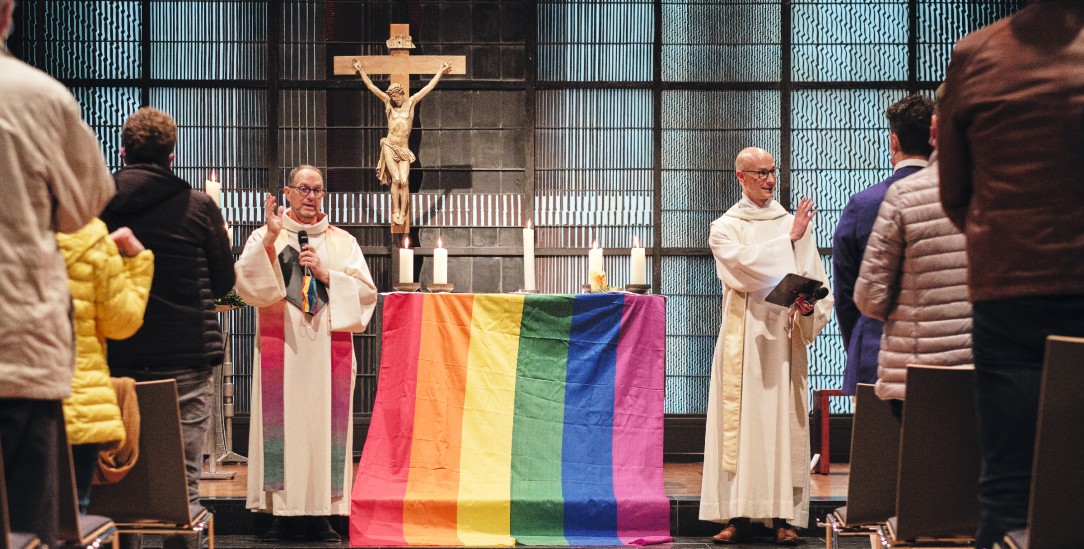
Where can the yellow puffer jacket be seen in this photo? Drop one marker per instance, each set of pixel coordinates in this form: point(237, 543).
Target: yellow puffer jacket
point(109, 294)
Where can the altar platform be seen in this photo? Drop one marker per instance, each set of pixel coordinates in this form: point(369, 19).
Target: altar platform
point(226, 498)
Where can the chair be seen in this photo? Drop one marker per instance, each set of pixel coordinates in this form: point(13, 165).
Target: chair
point(822, 413)
point(939, 460)
point(871, 487)
point(88, 531)
point(1057, 482)
point(153, 497)
point(9, 539)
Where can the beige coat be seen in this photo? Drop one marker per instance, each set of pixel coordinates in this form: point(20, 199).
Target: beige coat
point(53, 178)
point(110, 294)
point(914, 278)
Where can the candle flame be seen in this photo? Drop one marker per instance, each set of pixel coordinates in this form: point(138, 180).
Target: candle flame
point(440, 242)
point(406, 242)
point(594, 244)
point(635, 241)
point(528, 224)
point(214, 177)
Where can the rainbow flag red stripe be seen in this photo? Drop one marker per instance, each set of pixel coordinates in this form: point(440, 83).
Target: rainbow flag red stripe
point(506, 418)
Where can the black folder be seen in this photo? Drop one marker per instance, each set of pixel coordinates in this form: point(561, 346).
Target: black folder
point(791, 287)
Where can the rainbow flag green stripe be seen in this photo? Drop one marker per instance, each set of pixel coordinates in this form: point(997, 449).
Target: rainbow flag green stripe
point(502, 419)
point(537, 496)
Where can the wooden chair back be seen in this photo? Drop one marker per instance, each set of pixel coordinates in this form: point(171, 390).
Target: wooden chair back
point(73, 529)
point(1057, 480)
point(937, 488)
point(157, 487)
point(875, 444)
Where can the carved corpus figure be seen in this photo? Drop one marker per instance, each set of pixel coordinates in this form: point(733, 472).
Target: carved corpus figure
point(393, 168)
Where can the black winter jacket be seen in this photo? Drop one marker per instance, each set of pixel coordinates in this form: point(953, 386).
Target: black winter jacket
point(193, 264)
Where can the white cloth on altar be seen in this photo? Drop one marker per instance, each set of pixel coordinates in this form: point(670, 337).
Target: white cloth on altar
point(753, 252)
point(307, 369)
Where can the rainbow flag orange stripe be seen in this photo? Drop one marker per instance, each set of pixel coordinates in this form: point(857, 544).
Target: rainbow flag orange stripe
point(504, 419)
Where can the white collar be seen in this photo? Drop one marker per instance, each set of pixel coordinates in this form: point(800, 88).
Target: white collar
point(916, 162)
point(746, 204)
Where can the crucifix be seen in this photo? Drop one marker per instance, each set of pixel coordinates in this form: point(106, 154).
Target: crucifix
point(393, 167)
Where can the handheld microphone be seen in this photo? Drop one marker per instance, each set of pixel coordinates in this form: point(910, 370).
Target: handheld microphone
point(818, 294)
point(302, 241)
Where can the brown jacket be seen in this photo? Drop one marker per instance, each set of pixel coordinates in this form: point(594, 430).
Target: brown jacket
point(1011, 145)
point(116, 458)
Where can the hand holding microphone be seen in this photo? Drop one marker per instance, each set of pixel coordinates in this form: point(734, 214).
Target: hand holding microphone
point(805, 302)
point(310, 260)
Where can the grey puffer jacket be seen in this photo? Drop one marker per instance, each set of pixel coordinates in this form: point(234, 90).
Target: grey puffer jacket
point(914, 278)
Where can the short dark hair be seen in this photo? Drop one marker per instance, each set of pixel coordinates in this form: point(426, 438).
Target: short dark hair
point(301, 168)
point(148, 137)
point(909, 119)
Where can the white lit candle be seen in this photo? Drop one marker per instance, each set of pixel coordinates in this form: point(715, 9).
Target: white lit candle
point(594, 259)
point(440, 263)
point(528, 257)
point(214, 190)
point(406, 262)
point(638, 268)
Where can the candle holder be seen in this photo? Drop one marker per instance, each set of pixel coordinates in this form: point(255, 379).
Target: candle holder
point(407, 286)
point(638, 288)
point(435, 288)
point(601, 289)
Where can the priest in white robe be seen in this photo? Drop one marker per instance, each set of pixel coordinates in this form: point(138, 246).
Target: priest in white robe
point(756, 450)
point(311, 299)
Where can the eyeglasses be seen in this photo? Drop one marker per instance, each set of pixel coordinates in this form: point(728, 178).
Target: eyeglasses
point(763, 174)
point(304, 191)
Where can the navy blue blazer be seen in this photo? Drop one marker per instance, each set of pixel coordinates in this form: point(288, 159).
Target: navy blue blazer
point(861, 334)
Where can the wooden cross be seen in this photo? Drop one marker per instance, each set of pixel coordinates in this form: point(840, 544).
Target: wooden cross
point(399, 65)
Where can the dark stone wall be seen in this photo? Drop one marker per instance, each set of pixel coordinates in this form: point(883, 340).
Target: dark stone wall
point(469, 135)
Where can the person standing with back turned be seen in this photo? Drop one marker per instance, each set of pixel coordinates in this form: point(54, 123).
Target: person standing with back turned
point(1011, 148)
point(53, 178)
point(181, 338)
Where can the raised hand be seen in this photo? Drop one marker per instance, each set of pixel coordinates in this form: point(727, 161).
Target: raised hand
point(802, 216)
point(445, 67)
point(274, 220)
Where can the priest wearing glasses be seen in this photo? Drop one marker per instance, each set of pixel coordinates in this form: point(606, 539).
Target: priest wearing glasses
point(313, 291)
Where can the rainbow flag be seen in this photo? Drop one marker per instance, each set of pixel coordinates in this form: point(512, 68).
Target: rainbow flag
point(504, 419)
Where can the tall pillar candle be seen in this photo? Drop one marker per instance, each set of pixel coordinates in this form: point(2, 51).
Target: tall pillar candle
point(638, 266)
point(528, 257)
point(406, 263)
point(440, 263)
point(214, 190)
point(594, 259)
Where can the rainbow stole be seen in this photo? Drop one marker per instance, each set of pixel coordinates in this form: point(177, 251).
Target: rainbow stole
point(506, 418)
point(272, 325)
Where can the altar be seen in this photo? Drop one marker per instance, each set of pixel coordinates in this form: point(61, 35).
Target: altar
point(503, 419)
